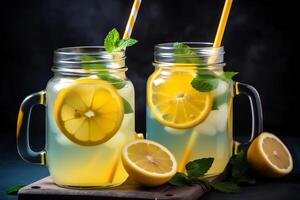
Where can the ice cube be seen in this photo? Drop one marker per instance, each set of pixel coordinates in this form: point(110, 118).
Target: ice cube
point(221, 89)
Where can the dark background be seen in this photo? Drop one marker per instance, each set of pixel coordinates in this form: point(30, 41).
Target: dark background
point(259, 43)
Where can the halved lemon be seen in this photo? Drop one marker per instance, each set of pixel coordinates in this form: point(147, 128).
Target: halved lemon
point(148, 163)
point(89, 112)
point(174, 102)
point(269, 156)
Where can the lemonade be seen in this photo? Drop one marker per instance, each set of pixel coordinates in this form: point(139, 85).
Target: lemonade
point(192, 124)
point(89, 118)
point(213, 136)
point(72, 164)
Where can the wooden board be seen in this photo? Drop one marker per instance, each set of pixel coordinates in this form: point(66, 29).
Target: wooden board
point(45, 189)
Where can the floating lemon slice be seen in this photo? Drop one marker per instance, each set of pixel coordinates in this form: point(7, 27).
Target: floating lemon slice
point(269, 156)
point(174, 102)
point(148, 162)
point(89, 112)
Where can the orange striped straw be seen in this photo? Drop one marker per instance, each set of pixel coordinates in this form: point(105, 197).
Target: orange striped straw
point(132, 18)
point(222, 23)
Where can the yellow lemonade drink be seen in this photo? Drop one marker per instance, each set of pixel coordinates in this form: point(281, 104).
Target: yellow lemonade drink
point(192, 124)
point(89, 119)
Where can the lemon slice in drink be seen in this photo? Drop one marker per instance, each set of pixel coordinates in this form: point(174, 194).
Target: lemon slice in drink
point(174, 102)
point(148, 163)
point(269, 156)
point(89, 112)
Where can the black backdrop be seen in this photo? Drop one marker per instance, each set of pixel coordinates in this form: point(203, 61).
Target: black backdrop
point(259, 43)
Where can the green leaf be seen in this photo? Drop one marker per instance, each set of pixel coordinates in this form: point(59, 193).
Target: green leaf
point(198, 167)
point(116, 82)
point(205, 85)
point(15, 189)
point(205, 74)
point(111, 40)
point(123, 43)
point(240, 165)
point(220, 100)
point(87, 65)
point(185, 54)
point(127, 107)
point(227, 187)
point(202, 181)
point(180, 179)
point(229, 75)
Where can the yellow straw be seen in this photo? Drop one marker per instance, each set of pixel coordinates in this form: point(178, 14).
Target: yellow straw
point(217, 43)
point(126, 35)
point(132, 18)
point(222, 23)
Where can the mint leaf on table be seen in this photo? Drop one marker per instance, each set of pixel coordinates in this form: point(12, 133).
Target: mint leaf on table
point(240, 165)
point(111, 40)
point(227, 187)
point(14, 189)
point(198, 167)
point(180, 179)
point(240, 169)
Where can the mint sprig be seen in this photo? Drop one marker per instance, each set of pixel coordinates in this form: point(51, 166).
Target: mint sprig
point(113, 43)
point(205, 80)
point(197, 169)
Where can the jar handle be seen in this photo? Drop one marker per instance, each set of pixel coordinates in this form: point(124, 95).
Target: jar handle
point(256, 110)
point(23, 129)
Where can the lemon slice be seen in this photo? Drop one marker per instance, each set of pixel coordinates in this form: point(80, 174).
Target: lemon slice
point(148, 162)
point(89, 112)
point(174, 102)
point(269, 156)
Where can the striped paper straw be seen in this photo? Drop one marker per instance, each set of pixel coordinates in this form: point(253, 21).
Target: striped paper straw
point(132, 18)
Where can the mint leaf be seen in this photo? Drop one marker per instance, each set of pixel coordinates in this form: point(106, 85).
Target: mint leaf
point(180, 179)
point(86, 65)
point(198, 167)
point(111, 40)
point(220, 100)
point(15, 189)
point(116, 82)
point(123, 43)
point(202, 181)
point(127, 107)
point(240, 165)
point(205, 74)
point(185, 54)
point(229, 75)
point(227, 187)
point(205, 85)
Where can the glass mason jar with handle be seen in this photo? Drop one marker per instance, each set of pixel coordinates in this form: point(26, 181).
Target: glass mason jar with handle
point(190, 103)
point(89, 117)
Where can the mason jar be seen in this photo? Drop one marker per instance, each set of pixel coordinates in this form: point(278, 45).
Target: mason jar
point(89, 117)
point(190, 103)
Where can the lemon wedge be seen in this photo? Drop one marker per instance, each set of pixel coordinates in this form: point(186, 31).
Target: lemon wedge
point(89, 112)
point(148, 163)
point(269, 156)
